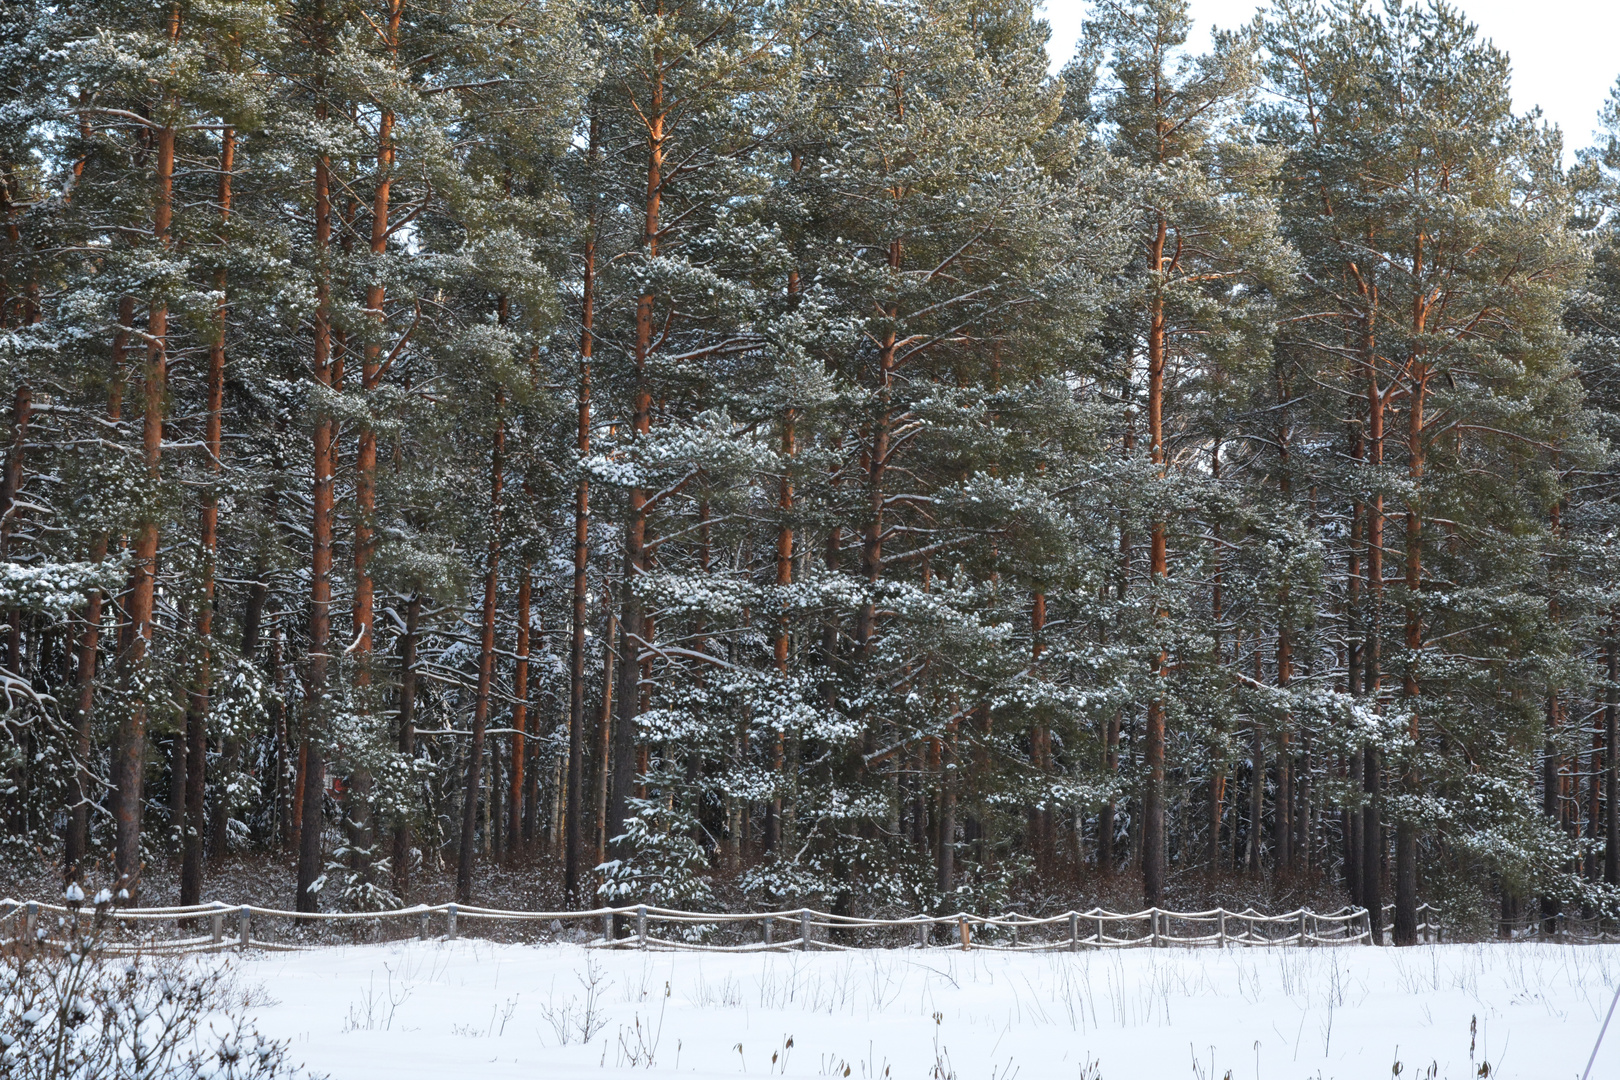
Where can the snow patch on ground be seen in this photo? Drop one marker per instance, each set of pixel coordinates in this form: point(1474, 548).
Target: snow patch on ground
point(442, 1010)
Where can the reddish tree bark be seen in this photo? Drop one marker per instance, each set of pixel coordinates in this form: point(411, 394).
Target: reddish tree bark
point(143, 580)
point(309, 809)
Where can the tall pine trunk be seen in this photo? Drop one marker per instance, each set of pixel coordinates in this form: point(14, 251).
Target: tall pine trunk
point(309, 811)
point(406, 737)
point(191, 846)
point(486, 670)
point(573, 827)
point(1153, 838)
point(634, 631)
point(136, 675)
point(1372, 826)
point(520, 718)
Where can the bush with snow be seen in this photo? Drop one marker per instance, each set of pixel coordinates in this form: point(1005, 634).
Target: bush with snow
point(72, 1010)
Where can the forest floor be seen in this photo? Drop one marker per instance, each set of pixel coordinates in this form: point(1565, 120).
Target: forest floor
point(477, 1009)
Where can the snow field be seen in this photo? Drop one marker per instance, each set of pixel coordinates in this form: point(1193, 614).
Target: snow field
point(448, 1010)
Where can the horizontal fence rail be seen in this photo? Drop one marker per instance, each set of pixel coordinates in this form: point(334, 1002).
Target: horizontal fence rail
point(216, 926)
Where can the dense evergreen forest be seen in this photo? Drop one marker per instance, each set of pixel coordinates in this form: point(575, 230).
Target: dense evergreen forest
point(782, 451)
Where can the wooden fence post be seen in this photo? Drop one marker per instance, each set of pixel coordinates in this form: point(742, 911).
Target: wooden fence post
point(1153, 922)
point(421, 926)
point(607, 927)
point(217, 919)
point(244, 926)
point(804, 929)
point(1074, 931)
point(450, 922)
point(1220, 932)
point(770, 924)
point(962, 925)
point(922, 935)
point(1099, 931)
point(641, 924)
point(31, 924)
point(1304, 937)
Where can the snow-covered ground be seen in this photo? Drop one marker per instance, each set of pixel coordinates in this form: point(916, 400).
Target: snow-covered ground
point(449, 1010)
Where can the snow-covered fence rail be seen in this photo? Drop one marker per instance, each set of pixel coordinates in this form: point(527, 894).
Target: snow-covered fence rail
point(1429, 927)
point(208, 927)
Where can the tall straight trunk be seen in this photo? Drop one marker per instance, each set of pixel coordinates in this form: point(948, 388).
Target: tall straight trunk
point(531, 785)
point(1611, 755)
point(573, 826)
point(311, 784)
point(143, 580)
point(1106, 856)
point(624, 729)
point(357, 797)
point(520, 718)
point(1594, 814)
point(1283, 810)
point(1257, 775)
point(1372, 826)
point(407, 737)
point(633, 633)
point(494, 812)
point(946, 858)
point(604, 742)
point(1355, 669)
point(1217, 615)
point(1405, 829)
point(784, 578)
point(372, 369)
point(1041, 739)
point(1153, 839)
point(1551, 801)
point(197, 706)
point(486, 670)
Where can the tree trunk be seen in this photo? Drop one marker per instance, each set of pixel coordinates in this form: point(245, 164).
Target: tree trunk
point(192, 834)
point(1372, 829)
point(1153, 839)
point(1611, 754)
point(486, 671)
point(784, 578)
point(520, 718)
point(604, 742)
point(1406, 830)
point(573, 826)
point(143, 580)
point(312, 754)
point(407, 738)
point(633, 629)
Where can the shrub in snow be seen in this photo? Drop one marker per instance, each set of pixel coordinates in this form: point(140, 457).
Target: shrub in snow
point(71, 1010)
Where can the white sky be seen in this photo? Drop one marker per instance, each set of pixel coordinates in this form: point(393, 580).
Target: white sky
point(1564, 51)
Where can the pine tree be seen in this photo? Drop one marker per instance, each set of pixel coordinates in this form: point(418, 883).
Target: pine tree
point(1208, 255)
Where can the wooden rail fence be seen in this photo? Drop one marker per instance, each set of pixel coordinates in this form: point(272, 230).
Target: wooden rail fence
point(215, 926)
